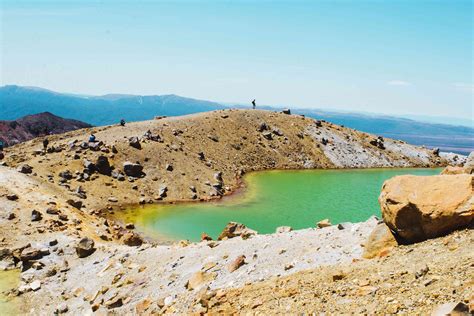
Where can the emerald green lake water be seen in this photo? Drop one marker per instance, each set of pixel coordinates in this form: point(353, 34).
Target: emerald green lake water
point(273, 198)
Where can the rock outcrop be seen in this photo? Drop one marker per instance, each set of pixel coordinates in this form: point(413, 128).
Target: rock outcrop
point(467, 168)
point(417, 208)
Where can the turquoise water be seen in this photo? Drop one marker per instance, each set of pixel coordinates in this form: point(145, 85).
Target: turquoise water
point(273, 198)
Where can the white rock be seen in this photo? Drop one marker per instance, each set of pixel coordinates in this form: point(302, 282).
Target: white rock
point(35, 285)
point(168, 300)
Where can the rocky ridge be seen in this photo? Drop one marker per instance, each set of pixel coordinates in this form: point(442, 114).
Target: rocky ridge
point(176, 159)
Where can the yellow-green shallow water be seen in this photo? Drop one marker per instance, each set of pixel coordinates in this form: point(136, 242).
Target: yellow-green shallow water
point(8, 280)
point(273, 198)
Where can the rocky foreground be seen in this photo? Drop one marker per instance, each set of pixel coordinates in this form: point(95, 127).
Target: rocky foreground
point(75, 261)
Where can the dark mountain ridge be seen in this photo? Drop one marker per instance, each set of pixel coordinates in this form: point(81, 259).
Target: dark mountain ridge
point(31, 126)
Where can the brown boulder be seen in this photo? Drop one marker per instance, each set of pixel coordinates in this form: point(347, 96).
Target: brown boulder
point(85, 247)
point(29, 253)
point(234, 229)
point(132, 239)
point(380, 241)
point(421, 207)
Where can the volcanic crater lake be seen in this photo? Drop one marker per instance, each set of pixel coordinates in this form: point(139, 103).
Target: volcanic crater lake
point(270, 199)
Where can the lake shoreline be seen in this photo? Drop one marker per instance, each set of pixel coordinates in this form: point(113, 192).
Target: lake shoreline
point(253, 191)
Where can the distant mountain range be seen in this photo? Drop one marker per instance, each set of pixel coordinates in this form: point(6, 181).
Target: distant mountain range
point(31, 126)
point(17, 101)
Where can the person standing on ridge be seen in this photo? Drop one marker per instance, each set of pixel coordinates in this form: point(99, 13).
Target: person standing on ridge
point(92, 138)
point(253, 104)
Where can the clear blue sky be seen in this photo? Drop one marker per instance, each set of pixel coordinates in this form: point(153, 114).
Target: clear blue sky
point(396, 57)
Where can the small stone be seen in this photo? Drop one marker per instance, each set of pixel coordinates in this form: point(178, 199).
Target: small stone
point(168, 300)
point(134, 142)
point(132, 239)
point(85, 247)
point(52, 211)
point(62, 308)
point(339, 275)
point(283, 229)
point(36, 216)
point(237, 263)
point(324, 223)
point(35, 285)
point(114, 303)
point(12, 197)
point(75, 204)
point(205, 237)
point(130, 226)
point(268, 135)
point(289, 266)
point(342, 226)
point(25, 168)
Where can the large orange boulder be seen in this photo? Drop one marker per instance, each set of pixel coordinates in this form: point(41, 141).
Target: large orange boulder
point(421, 207)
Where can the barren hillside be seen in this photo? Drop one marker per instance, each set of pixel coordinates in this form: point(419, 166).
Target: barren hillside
point(182, 157)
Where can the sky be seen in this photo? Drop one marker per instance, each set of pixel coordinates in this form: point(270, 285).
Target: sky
point(392, 57)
